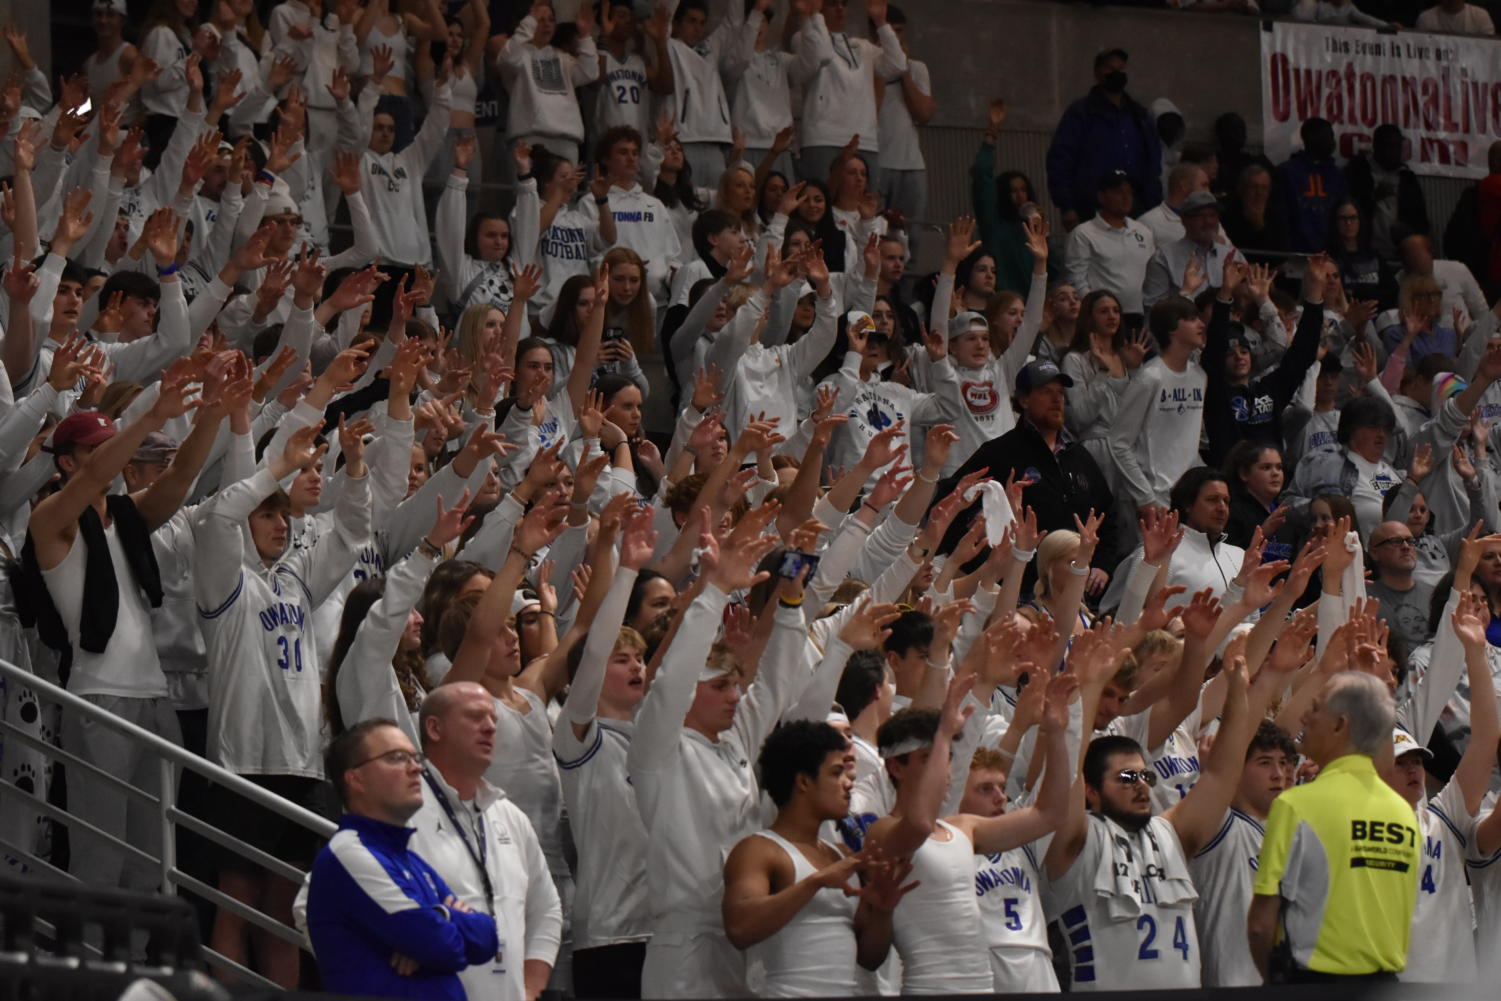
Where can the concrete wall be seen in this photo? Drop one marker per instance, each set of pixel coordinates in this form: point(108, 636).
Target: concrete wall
point(1039, 57)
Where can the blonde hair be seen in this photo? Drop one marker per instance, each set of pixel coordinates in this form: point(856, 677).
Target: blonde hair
point(1158, 642)
point(469, 342)
point(1412, 285)
point(1053, 548)
point(749, 221)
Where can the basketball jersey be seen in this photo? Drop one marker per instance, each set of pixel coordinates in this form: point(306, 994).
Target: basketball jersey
point(1223, 871)
point(1126, 909)
point(1485, 885)
point(812, 955)
point(1442, 946)
point(1009, 889)
point(624, 98)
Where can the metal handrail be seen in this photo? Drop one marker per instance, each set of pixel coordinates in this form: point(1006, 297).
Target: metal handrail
point(171, 758)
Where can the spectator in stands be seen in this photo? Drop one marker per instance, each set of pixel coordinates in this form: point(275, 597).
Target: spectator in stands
point(1356, 468)
point(1105, 130)
point(1237, 406)
point(1360, 271)
point(380, 918)
point(1182, 181)
point(1387, 192)
point(1111, 251)
point(1405, 601)
point(1197, 261)
point(1335, 12)
point(634, 64)
point(700, 108)
point(540, 78)
point(906, 102)
point(1156, 436)
point(641, 220)
point(762, 106)
point(1460, 290)
point(838, 74)
point(1311, 185)
point(1001, 202)
point(1256, 477)
point(1063, 481)
point(1171, 130)
point(1251, 219)
point(1230, 151)
point(1456, 17)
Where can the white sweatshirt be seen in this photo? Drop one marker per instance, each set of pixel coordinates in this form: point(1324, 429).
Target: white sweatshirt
point(762, 105)
point(703, 111)
point(838, 74)
point(541, 83)
point(1155, 439)
point(265, 688)
point(393, 184)
point(643, 224)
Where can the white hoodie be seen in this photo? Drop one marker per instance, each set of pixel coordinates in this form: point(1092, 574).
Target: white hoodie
point(541, 83)
point(838, 74)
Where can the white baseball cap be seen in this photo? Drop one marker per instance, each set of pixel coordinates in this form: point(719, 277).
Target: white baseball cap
point(112, 6)
point(1404, 743)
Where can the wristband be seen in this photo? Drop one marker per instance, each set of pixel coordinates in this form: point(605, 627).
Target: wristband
point(265, 176)
point(602, 201)
point(524, 555)
point(1078, 571)
point(165, 272)
point(933, 481)
point(873, 508)
point(524, 177)
point(1023, 555)
point(429, 549)
point(790, 602)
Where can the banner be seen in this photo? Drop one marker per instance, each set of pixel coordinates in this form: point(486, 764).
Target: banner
point(1443, 91)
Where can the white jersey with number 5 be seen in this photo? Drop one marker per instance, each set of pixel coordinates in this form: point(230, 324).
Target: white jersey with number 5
point(1009, 887)
point(1126, 910)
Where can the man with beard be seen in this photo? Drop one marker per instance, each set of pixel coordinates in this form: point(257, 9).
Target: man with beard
point(1061, 480)
point(1119, 878)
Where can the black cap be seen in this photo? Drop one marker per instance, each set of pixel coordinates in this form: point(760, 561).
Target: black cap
point(1039, 373)
point(1113, 53)
point(1331, 365)
point(1113, 179)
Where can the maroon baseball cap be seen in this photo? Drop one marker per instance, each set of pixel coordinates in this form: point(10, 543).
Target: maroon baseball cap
point(86, 428)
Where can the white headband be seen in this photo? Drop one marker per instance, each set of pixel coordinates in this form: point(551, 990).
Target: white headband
point(905, 747)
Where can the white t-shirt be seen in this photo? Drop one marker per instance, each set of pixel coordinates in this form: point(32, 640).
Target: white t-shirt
point(900, 149)
point(1372, 481)
point(1159, 424)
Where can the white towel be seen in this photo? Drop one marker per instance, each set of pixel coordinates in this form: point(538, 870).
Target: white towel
point(996, 507)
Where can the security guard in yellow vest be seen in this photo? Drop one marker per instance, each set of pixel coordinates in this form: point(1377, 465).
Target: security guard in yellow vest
point(1337, 879)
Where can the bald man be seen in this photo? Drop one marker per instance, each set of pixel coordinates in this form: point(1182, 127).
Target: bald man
point(1404, 600)
point(1182, 181)
point(483, 846)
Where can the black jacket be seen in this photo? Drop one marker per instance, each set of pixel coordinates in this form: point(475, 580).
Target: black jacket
point(1412, 209)
point(1066, 484)
point(1252, 412)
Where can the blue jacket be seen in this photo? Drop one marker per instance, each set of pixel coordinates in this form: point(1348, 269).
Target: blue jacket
point(1094, 136)
point(369, 897)
point(1310, 190)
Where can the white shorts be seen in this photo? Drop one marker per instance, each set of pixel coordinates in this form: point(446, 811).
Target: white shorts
point(692, 965)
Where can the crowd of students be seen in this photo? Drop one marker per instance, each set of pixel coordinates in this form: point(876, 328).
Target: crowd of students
point(681, 597)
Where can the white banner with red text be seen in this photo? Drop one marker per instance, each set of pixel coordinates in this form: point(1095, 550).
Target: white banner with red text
point(1443, 91)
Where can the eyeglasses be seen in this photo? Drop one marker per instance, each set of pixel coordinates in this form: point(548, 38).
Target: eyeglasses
point(1407, 543)
point(398, 757)
point(1130, 776)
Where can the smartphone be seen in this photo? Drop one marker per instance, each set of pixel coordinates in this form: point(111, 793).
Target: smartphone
point(794, 561)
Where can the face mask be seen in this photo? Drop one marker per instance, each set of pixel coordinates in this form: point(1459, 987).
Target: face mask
point(1115, 81)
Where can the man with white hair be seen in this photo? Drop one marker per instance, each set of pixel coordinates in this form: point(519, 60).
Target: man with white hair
point(1335, 881)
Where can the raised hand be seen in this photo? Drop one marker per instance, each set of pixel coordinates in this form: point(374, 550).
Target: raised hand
point(1201, 614)
point(960, 243)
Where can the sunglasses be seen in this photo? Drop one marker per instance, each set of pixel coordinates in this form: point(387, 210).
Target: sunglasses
point(1130, 776)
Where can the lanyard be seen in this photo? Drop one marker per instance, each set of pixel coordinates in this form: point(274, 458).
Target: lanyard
point(480, 857)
